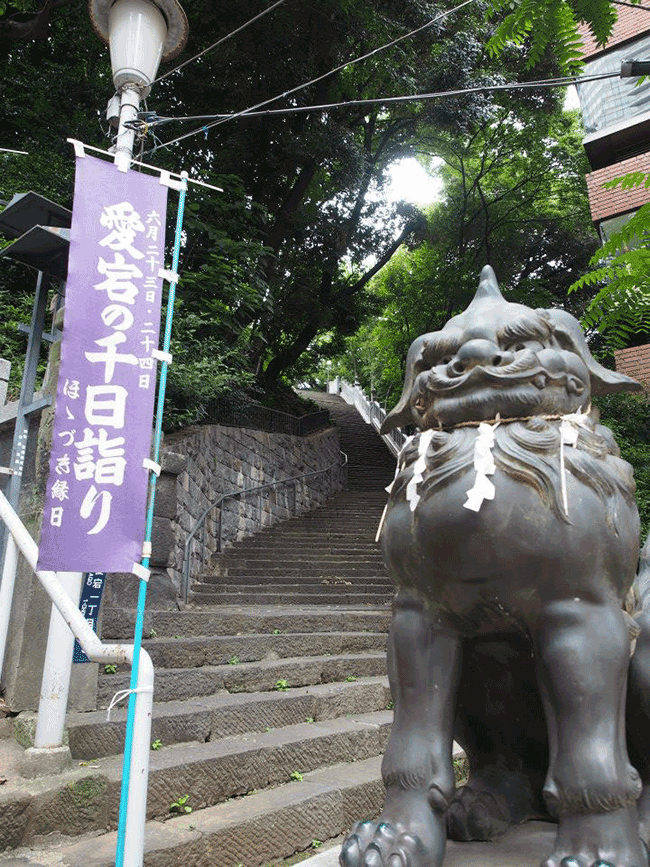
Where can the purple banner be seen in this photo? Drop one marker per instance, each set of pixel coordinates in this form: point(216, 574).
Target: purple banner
point(96, 496)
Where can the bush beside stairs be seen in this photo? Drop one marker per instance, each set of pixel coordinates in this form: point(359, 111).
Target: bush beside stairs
point(272, 706)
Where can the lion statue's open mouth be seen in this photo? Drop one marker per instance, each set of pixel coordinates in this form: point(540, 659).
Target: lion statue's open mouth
point(512, 537)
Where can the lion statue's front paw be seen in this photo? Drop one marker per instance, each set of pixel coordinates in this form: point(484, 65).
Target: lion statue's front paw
point(416, 839)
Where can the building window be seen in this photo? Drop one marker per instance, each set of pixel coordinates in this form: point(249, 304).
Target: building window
point(613, 100)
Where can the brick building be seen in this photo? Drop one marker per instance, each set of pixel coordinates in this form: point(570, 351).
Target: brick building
point(635, 362)
point(616, 117)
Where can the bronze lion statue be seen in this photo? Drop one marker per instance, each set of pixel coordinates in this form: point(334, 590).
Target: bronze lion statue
point(512, 536)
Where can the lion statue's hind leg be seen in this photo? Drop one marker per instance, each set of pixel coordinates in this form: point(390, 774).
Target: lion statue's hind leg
point(500, 725)
point(583, 651)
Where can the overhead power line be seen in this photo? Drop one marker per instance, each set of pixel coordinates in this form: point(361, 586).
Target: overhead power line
point(150, 121)
point(306, 84)
point(220, 41)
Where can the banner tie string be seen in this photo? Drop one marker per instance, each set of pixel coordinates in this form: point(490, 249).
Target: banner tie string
point(121, 694)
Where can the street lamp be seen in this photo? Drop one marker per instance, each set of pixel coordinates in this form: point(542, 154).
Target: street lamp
point(141, 34)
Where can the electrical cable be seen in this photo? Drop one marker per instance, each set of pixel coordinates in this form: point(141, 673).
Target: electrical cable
point(299, 87)
point(219, 41)
point(549, 82)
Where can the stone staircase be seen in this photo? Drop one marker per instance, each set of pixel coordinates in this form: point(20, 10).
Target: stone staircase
point(272, 707)
point(326, 556)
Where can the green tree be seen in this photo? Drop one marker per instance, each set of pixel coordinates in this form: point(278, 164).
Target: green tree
point(620, 271)
point(280, 261)
point(514, 198)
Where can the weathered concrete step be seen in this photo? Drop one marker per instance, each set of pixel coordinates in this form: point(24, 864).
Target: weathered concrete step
point(353, 504)
point(335, 596)
point(327, 585)
point(313, 555)
point(87, 799)
point(259, 549)
point(298, 541)
point(263, 577)
point(176, 684)
point(251, 830)
point(217, 716)
point(119, 623)
point(334, 532)
point(253, 583)
point(318, 551)
point(347, 522)
point(331, 589)
point(357, 567)
point(276, 580)
point(222, 649)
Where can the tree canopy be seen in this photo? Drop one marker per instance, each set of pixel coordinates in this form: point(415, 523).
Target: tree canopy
point(278, 268)
point(514, 198)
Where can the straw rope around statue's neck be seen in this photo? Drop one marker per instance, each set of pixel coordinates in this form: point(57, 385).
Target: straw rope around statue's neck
point(497, 420)
point(483, 488)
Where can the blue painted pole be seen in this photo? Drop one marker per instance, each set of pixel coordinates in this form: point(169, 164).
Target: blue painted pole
point(142, 592)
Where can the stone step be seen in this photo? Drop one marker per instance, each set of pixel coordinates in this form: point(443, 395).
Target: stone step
point(334, 518)
point(258, 548)
point(365, 585)
point(330, 531)
point(86, 799)
point(253, 647)
point(119, 623)
point(365, 565)
point(177, 684)
point(206, 594)
point(305, 539)
point(360, 566)
point(251, 830)
point(211, 717)
point(332, 543)
point(278, 570)
point(368, 512)
point(307, 589)
point(358, 582)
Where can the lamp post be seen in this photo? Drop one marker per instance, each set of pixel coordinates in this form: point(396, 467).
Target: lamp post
point(141, 34)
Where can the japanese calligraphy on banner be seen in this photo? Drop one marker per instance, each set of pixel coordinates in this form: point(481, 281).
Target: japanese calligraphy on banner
point(95, 505)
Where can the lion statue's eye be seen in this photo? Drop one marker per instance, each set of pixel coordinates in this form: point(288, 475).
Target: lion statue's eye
point(525, 344)
point(445, 360)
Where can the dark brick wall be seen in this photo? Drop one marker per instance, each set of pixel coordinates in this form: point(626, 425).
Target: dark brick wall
point(630, 25)
point(610, 203)
point(635, 362)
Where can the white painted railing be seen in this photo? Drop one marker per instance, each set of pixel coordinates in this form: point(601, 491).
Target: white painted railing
point(105, 653)
point(371, 411)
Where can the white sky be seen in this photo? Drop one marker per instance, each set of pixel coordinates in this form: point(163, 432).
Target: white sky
point(571, 101)
point(409, 181)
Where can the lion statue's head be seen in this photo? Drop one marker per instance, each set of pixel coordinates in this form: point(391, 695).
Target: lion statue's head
point(500, 358)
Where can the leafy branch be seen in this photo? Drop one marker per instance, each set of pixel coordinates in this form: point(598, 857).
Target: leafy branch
point(553, 24)
point(621, 307)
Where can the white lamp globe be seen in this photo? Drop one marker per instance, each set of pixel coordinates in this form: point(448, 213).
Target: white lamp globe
point(140, 34)
point(137, 32)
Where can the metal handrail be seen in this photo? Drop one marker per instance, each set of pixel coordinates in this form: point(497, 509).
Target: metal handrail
point(373, 413)
point(99, 652)
point(254, 415)
point(234, 495)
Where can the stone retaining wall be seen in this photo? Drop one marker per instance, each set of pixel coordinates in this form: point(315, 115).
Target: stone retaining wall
point(221, 460)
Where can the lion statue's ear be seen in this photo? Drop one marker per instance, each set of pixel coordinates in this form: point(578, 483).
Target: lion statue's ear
point(401, 414)
point(569, 335)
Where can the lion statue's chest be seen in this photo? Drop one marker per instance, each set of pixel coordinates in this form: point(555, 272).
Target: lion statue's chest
point(518, 549)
